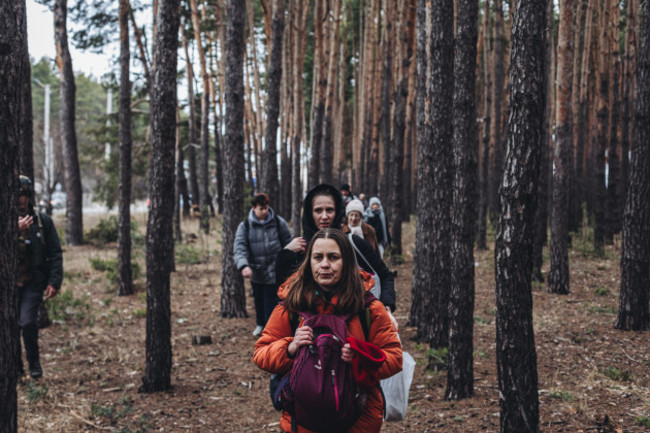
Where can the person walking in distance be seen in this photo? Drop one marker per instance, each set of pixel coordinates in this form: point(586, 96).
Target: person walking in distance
point(323, 208)
point(356, 225)
point(342, 329)
point(40, 270)
point(257, 242)
point(376, 217)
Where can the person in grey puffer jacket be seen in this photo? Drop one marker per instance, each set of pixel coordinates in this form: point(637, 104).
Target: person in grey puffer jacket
point(258, 240)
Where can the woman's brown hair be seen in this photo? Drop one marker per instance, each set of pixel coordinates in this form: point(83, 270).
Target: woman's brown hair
point(303, 295)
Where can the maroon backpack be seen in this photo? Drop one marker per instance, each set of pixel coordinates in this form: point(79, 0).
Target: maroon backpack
point(321, 393)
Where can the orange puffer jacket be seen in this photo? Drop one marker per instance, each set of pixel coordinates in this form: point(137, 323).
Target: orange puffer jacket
point(271, 352)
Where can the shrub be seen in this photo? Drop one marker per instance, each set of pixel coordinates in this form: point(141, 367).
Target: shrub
point(110, 268)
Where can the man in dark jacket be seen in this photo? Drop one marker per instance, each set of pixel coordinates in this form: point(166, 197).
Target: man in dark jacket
point(40, 269)
point(324, 207)
point(257, 242)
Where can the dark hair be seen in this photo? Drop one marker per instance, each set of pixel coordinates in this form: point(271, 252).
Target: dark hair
point(345, 187)
point(261, 199)
point(350, 288)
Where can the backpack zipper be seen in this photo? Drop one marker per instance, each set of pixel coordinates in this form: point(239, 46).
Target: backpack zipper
point(336, 390)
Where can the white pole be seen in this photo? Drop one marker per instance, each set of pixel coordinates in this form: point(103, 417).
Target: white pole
point(47, 141)
point(109, 111)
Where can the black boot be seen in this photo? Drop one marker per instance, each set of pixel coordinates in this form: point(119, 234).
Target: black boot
point(30, 338)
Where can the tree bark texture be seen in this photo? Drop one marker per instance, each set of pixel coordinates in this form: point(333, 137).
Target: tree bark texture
point(558, 279)
point(270, 183)
point(435, 181)
point(399, 130)
point(13, 40)
point(191, 128)
point(125, 278)
point(515, 342)
point(384, 182)
point(614, 206)
point(204, 178)
point(485, 140)
point(633, 310)
point(74, 220)
point(496, 166)
point(326, 150)
point(460, 376)
point(627, 94)
point(319, 88)
point(598, 180)
point(26, 117)
point(545, 163)
point(160, 241)
point(233, 296)
point(423, 260)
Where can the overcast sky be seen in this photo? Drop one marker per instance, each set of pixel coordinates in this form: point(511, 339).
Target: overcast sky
point(40, 33)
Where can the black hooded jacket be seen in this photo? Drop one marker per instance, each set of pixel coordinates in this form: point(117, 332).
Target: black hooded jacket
point(288, 262)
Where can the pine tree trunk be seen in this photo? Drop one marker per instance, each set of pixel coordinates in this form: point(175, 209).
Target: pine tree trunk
point(497, 141)
point(298, 113)
point(179, 181)
point(598, 180)
point(270, 183)
point(326, 150)
point(384, 183)
point(558, 279)
point(627, 92)
point(13, 39)
point(160, 242)
point(460, 376)
point(574, 200)
point(633, 311)
point(485, 140)
point(545, 162)
point(432, 269)
point(423, 260)
point(515, 342)
point(582, 139)
point(74, 204)
point(204, 178)
point(233, 296)
point(319, 84)
point(125, 278)
point(191, 128)
point(614, 206)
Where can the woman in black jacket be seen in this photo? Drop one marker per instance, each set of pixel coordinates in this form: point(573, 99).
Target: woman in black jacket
point(323, 207)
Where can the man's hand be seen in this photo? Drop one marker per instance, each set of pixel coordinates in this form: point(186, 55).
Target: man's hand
point(25, 222)
point(50, 292)
point(247, 272)
point(297, 245)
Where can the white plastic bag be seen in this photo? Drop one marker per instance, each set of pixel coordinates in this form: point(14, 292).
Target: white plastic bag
point(396, 390)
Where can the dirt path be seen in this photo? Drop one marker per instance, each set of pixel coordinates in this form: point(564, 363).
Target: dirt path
point(591, 377)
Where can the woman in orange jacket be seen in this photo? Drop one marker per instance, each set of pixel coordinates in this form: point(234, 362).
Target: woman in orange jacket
point(329, 282)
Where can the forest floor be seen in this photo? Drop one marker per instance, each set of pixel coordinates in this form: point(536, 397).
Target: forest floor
point(592, 378)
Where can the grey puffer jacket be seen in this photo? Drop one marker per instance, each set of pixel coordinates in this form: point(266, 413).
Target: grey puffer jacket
point(258, 245)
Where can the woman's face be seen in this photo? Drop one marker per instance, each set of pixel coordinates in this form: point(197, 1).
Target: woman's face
point(354, 219)
point(326, 263)
point(323, 211)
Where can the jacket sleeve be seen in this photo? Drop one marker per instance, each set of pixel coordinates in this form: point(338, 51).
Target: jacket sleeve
point(285, 233)
point(54, 254)
point(385, 275)
point(383, 335)
point(241, 248)
point(271, 348)
point(286, 263)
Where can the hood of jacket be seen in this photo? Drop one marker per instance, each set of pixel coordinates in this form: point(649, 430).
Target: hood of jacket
point(309, 228)
point(253, 219)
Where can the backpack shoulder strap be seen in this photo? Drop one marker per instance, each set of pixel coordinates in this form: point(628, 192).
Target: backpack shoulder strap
point(294, 320)
point(358, 251)
point(364, 314)
point(40, 227)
